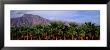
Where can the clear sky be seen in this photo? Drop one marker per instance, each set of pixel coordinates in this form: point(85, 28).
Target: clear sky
point(79, 16)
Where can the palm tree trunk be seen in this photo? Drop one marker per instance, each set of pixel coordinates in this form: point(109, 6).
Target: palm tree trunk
point(56, 38)
point(82, 38)
point(39, 37)
point(64, 36)
point(31, 37)
point(92, 37)
point(27, 36)
point(72, 37)
point(86, 37)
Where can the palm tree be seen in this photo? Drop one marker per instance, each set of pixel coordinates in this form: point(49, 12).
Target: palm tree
point(89, 29)
point(72, 31)
point(13, 33)
point(97, 32)
point(38, 31)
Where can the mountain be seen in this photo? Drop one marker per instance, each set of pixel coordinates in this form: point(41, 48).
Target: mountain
point(28, 20)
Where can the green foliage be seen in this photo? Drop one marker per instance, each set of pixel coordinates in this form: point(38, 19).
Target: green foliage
point(58, 28)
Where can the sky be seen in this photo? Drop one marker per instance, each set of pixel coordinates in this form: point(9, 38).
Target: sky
point(78, 16)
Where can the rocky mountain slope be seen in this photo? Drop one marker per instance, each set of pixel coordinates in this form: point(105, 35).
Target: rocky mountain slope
point(28, 20)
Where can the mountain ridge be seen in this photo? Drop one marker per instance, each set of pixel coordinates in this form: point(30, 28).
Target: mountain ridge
point(28, 20)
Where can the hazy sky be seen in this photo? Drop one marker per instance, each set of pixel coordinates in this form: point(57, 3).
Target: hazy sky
point(79, 16)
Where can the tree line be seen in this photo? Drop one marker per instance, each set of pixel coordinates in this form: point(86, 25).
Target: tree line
point(57, 31)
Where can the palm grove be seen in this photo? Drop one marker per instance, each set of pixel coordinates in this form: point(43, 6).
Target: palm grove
point(57, 31)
